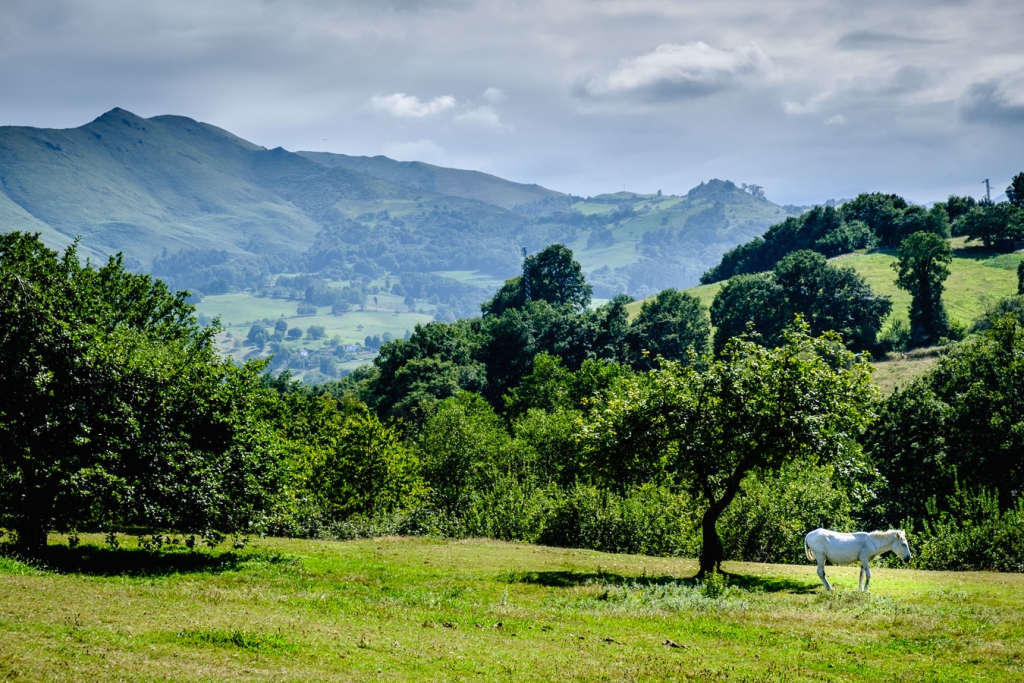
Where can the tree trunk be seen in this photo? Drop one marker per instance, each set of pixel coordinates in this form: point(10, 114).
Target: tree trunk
point(712, 552)
point(30, 537)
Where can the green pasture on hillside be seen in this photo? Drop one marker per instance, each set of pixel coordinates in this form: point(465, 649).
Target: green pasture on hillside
point(401, 609)
point(238, 311)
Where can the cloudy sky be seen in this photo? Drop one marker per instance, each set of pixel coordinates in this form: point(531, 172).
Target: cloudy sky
point(812, 100)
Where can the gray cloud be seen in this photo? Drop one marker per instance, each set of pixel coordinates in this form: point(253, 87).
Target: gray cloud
point(871, 40)
point(989, 103)
point(810, 100)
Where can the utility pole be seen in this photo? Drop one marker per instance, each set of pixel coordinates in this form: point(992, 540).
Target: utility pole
point(988, 191)
point(526, 277)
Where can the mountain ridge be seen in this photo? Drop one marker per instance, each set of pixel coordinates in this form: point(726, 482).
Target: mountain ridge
point(206, 209)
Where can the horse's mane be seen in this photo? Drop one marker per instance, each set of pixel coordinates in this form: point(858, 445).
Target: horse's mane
point(881, 535)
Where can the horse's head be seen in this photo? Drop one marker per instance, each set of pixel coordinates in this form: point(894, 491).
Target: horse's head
point(900, 546)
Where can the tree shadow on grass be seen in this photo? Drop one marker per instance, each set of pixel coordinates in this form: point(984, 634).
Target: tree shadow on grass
point(769, 584)
point(977, 252)
point(94, 560)
point(568, 579)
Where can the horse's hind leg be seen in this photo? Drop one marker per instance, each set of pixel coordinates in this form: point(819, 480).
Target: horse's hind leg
point(821, 572)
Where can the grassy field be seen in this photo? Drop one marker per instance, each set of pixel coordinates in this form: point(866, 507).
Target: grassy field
point(424, 609)
point(238, 311)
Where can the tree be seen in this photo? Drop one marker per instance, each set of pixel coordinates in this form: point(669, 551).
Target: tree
point(359, 464)
point(959, 427)
point(992, 222)
point(115, 408)
point(754, 301)
point(880, 212)
point(957, 207)
point(830, 298)
point(1020, 278)
point(921, 269)
point(554, 277)
point(1015, 191)
point(437, 361)
point(753, 409)
point(315, 331)
point(802, 283)
point(918, 219)
point(671, 325)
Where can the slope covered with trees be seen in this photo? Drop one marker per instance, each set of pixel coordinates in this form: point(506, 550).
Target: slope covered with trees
point(877, 220)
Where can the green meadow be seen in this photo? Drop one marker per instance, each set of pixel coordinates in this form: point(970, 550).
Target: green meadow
point(407, 609)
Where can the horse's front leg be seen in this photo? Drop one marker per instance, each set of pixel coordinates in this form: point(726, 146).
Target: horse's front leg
point(865, 572)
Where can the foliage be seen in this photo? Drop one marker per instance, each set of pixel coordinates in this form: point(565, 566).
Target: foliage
point(672, 326)
point(972, 533)
point(752, 410)
point(958, 427)
point(773, 512)
point(803, 283)
point(1010, 305)
point(463, 448)
point(553, 277)
point(1015, 190)
point(748, 304)
point(991, 223)
point(880, 212)
point(437, 361)
point(116, 409)
point(922, 268)
point(645, 519)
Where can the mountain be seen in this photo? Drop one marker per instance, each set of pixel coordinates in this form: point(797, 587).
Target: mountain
point(141, 186)
point(450, 181)
point(209, 211)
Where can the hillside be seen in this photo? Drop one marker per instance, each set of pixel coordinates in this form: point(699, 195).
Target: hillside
point(978, 279)
point(449, 181)
point(198, 205)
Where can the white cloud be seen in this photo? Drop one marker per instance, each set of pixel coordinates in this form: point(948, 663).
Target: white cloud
point(672, 71)
point(836, 120)
point(494, 96)
point(481, 116)
point(401, 105)
point(811, 105)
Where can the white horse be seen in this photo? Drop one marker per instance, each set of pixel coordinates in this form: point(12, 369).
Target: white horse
point(863, 546)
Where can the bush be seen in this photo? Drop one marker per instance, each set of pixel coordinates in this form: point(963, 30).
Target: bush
point(895, 336)
point(648, 519)
point(975, 536)
point(510, 509)
point(768, 521)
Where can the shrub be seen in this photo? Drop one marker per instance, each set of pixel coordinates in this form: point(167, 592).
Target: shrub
point(975, 536)
point(648, 519)
point(768, 521)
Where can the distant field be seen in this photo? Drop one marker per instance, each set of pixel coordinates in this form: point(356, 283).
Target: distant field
point(977, 280)
point(239, 311)
point(401, 609)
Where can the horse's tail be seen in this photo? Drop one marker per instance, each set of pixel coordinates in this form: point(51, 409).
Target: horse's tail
point(808, 552)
